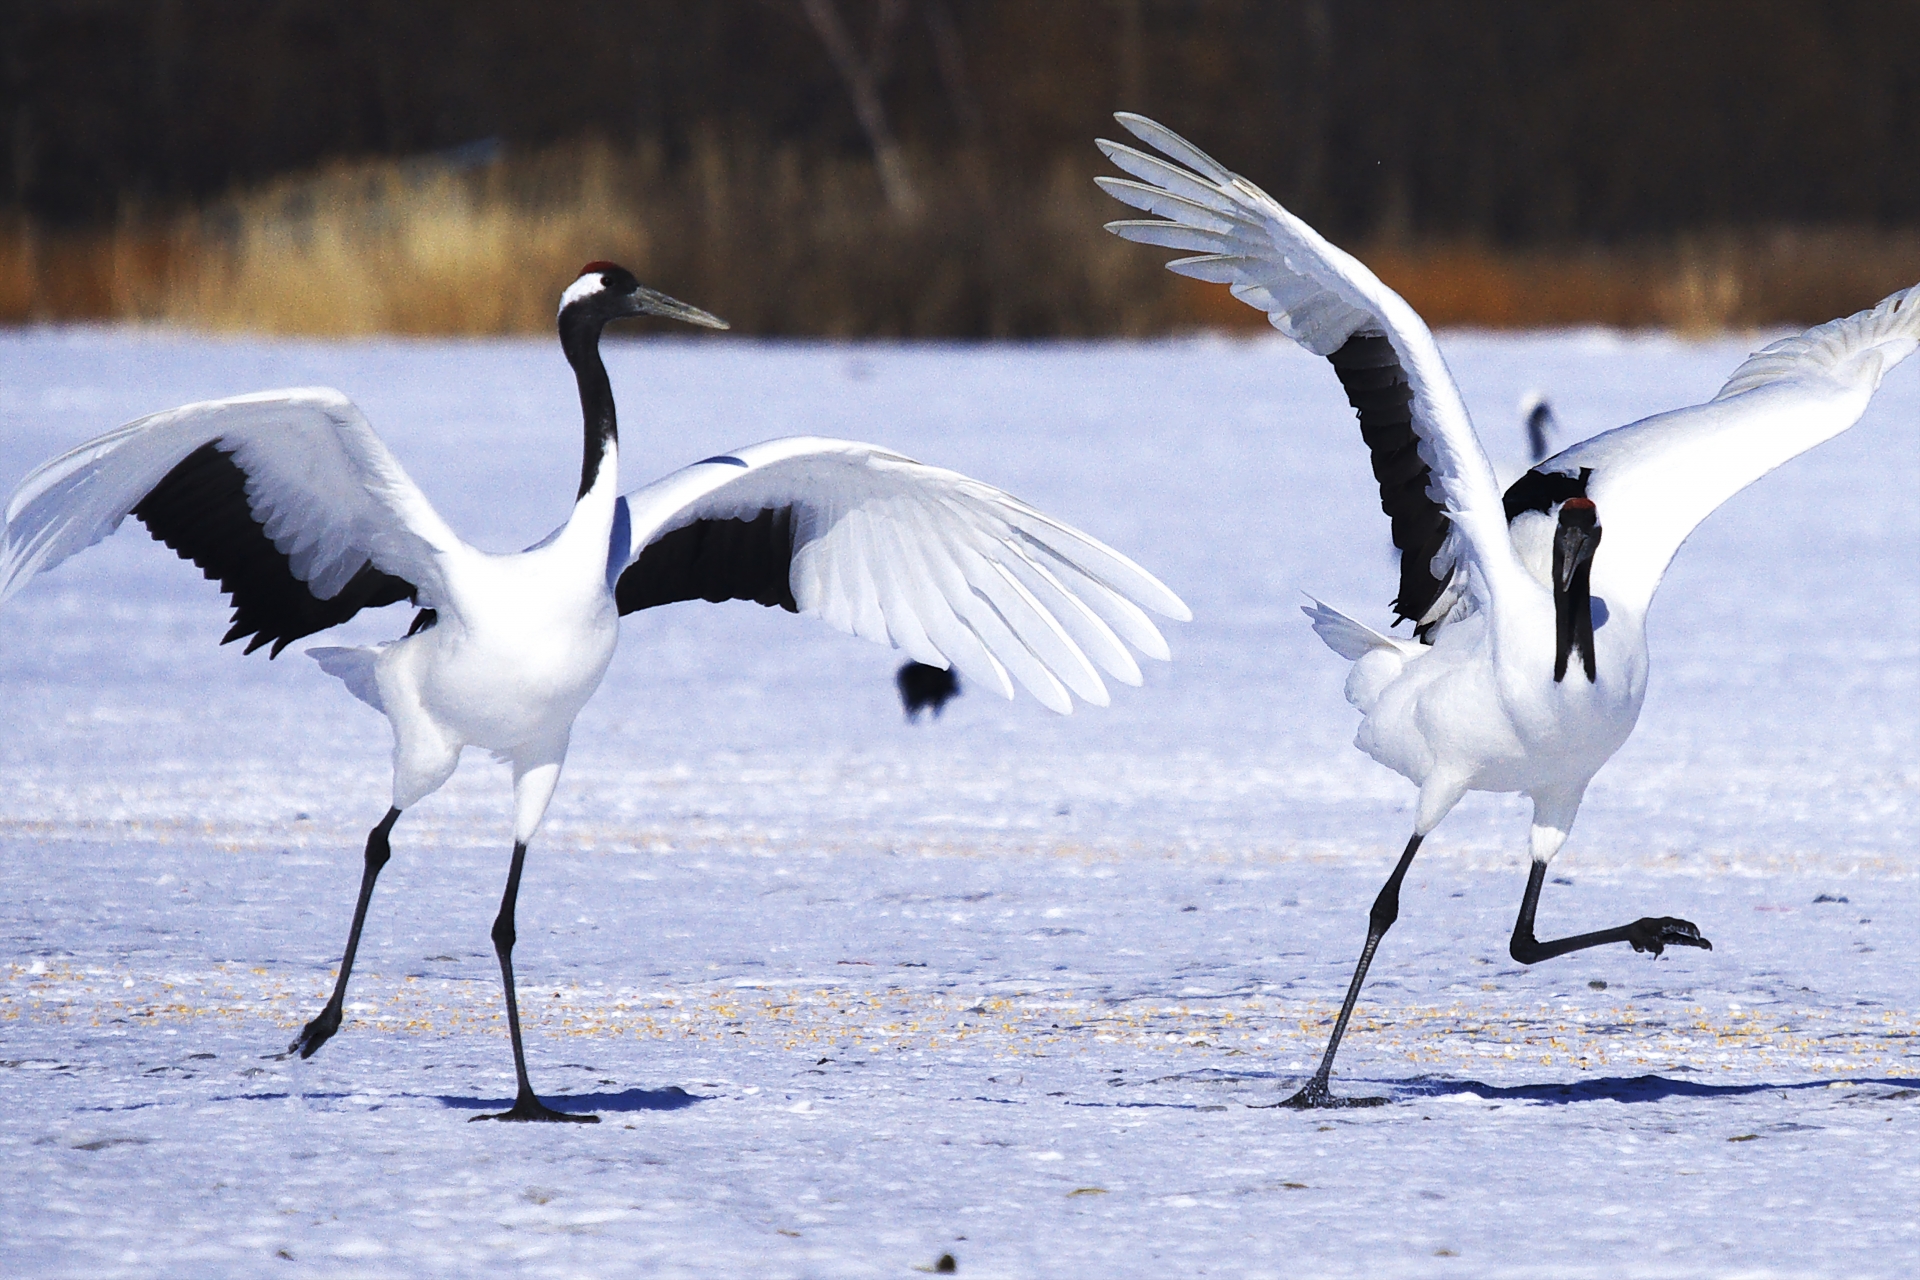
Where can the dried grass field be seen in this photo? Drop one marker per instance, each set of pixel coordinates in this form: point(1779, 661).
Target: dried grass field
point(479, 242)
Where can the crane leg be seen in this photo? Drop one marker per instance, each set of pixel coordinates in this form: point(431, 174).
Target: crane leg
point(321, 1029)
point(1649, 933)
point(1386, 909)
point(525, 1105)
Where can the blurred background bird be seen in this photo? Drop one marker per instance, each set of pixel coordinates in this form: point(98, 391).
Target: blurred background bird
point(1542, 428)
point(924, 687)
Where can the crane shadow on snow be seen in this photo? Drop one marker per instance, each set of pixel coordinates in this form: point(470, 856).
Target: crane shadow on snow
point(671, 1098)
point(1647, 1088)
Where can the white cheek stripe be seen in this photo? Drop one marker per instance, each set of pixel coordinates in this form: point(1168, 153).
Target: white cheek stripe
point(585, 287)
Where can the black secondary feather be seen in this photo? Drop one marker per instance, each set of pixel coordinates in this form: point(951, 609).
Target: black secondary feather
point(715, 560)
point(200, 510)
point(1377, 388)
point(1541, 490)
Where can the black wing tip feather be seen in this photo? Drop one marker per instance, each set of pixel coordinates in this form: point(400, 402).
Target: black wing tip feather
point(715, 560)
point(200, 510)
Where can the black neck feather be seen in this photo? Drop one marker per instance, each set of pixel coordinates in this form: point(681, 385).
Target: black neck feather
point(1573, 624)
point(580, 339)
point(1574, 543)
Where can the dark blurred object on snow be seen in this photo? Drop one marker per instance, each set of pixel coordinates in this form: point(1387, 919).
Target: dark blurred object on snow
point(922, 686)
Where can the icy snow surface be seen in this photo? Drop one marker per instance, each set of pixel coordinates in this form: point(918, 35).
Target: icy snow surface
point(850, 994)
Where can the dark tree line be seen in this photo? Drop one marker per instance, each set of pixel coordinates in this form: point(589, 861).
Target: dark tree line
point(1511, 121)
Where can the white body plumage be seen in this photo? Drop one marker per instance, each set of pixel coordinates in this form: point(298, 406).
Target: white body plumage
point(519, 644)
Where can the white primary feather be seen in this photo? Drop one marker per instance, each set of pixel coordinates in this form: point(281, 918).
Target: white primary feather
point(947, 568)
point(329, 494)
point(1654, 481)
point(1320, 297)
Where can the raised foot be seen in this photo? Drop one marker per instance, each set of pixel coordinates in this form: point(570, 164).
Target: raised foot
point(315, 1033)
point(1656, 934)
point(1317, 1096)
point(529, 1108)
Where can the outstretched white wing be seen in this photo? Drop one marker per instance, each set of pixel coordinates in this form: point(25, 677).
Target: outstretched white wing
point(1653, 481)
point(882, 547)
point(1320, 297)
point(287, 497)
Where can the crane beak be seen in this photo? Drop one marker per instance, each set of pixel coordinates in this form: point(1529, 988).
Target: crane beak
point(1574, 543)
point(651, 302)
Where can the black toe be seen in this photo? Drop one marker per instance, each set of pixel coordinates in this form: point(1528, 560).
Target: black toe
point(529, 1109)
point(1316, 1096)
point(315, 1033)
point(1655, 934)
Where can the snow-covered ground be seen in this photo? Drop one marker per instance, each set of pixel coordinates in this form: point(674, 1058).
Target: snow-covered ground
point(851, 994)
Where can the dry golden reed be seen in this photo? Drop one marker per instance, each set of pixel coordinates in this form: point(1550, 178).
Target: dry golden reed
point(783, 244)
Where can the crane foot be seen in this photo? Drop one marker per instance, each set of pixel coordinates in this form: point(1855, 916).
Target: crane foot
point(1317, 1096)
point(315, 1033)
point(1656, 934)
point(529, 1108)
